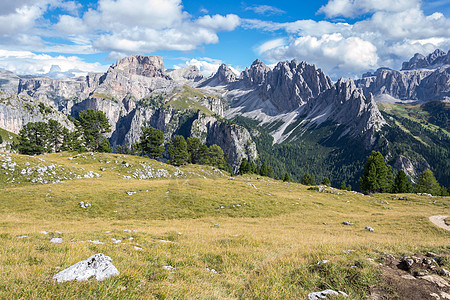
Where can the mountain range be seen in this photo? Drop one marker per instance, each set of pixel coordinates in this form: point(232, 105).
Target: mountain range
point(291, 116)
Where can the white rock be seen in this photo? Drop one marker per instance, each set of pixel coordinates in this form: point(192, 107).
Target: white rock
point(322, 262)
point(56, 240)
point(138, 248)
point(96, 242)
point(22, 236)
point(168, 268)
point(369, 228)
point(116, 241)
point(43, 232)
point(98, 265)
point(324, 294)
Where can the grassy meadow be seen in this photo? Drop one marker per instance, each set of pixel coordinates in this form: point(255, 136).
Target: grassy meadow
point(262, 237)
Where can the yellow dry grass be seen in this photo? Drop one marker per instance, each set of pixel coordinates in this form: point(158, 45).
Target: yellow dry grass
point(269, 237)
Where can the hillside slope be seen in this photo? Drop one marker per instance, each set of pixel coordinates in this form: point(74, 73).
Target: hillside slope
point(263, 239)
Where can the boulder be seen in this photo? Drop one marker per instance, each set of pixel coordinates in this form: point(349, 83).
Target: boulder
point(98, 265)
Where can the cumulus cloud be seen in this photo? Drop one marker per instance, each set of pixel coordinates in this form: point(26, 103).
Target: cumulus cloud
point(117, 26)
point(386, 38)
point(333, 52)
point(265, 10)
point(354, 8)
point(208, 66)
point(26, 62)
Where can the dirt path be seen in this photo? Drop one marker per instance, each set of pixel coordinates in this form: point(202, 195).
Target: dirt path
point(439, 221)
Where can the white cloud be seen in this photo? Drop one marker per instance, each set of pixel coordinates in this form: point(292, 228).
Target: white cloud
point(265, 10)
point(117, 26)
point(332, 52)
point(26, 62)
point(208, 66)
point(354, 8)
point(386, 38)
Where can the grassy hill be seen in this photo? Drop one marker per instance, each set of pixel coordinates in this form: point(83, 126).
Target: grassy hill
point(263, 237)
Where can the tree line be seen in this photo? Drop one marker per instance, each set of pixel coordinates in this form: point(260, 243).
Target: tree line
point(89, 135)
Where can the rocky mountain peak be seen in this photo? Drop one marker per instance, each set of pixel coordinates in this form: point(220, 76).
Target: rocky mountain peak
point(256, 74)
point(435, 59)
point(295, 83)
point(149, 66)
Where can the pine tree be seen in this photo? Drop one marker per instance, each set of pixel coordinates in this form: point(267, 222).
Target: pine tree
point(244, 167)
point(307, 179)
point(286, 177)
point(152, 141)
point(93, 125)
point(54, 136)
point(401, 183)
point(193, 147)
point(203, 154)
point(428, 184)
point(217, 158)
point(377, 176)
point(343, 186)
point(177, 149)
point(326, 181)
point(32, 138)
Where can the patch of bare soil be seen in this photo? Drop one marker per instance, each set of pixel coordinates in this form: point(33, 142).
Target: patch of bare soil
point(420, 277)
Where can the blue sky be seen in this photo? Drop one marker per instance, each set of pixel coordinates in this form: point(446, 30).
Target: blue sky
point(343, 37)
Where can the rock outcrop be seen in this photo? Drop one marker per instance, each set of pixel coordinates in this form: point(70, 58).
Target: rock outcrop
point(346, 105)
point(98, 266)
point(435, 59)
point(421, 79)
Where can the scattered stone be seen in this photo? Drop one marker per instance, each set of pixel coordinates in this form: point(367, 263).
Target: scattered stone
point(130, 193)
point(56, 240)
point(96, 242)
point(324, 294)
point(84, 205)
point(322, 262)
point(98, 265)
point(431, 254)
point(165, 241)
point(138, 248)
point(324, 223)
point(427, 261)
point(22, 236)
point(217, 225)
point(369, 228)
point(348, 223)
point(211, 270)
point(43, 232)
point(168, 268)
point(348, 251)
point(116, 241)
point(409, 277)
point(444, 272)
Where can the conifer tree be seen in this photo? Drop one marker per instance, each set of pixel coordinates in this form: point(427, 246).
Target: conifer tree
point(307, 179)
point(377, 176)
point(1, 139)
point(326, 181)
point(343, 186)
point(32, 138)
point(93, 125)
point(54, 136)
point(244, 167)
point(217, 158)
point(401, 183)
point(193, 147)
point(286, 177)
point(177, 149)
point(428, 184)
point(152, 141)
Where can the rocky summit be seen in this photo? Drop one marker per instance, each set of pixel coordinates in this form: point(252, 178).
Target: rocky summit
point(288, 102)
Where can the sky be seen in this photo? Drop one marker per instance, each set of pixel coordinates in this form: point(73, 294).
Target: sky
point(345, 38)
